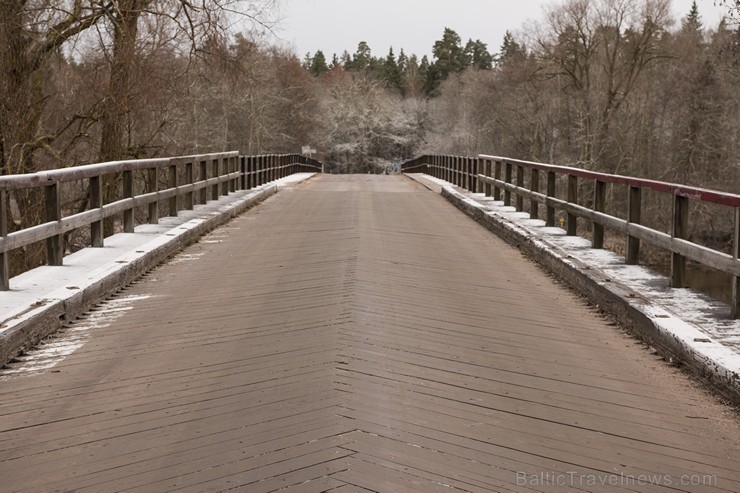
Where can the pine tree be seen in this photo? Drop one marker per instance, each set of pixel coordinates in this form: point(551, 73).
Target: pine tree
point(391, 72)
point(362, 59)
point(477, 55)
point(692, 21)
point(511, 51)
point(318, 66)
point(402, 61)
point(449, 54)
point(334, 62)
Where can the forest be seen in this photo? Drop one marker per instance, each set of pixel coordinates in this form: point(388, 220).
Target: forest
point(612, 85)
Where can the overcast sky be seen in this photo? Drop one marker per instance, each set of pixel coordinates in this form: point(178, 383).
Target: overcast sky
point(414, 25)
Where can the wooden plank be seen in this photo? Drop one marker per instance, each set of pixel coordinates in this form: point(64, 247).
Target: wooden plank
point(53, 214)
point(128, 193)
point(599, 206)
point(572, 224)
point(735, 289)
point(347, 345)
point(713, 196)
point(679, 229)
point(4, 270)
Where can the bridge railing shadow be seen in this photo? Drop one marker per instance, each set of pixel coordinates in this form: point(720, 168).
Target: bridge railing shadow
point(140, 190)
point(557, 188)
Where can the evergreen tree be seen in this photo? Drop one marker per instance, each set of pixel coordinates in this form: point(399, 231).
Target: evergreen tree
point(318, 65)
point(692, 22)
point(477, 55)
point(511, 51)
point(334, 62)
point(362, 59)
point(403, 60)
point(449, 54)
point(391, 72)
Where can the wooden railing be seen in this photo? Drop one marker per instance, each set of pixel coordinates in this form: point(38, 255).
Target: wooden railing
point(506, 179)
point(189, 180)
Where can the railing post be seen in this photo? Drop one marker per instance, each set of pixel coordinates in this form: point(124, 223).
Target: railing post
point(469, 182)
point(507, 179)
point(497, 176)
point(172, 183)
point(203, 175)
point(572, 226)
point(680, 229)
point(478, 170)
point(735, 298)
point(633, 216)
point(189, 179)
point(128, 193)
point(520, 184)
point(53, 212)
point(215, 173)
point(252, 168)
point(535, 187)
point(4, 271)
point(234, 169)
point(599, 206)
point(152, 178)
point(225, 166)
point(551, 190)
point(95, 194)
point(487, 172)
point(243, 167)
point(462, 168)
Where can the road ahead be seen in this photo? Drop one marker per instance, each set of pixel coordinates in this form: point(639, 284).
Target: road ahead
point(355, 332)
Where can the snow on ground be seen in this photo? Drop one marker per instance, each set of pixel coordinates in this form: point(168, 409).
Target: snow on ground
point(55, 348)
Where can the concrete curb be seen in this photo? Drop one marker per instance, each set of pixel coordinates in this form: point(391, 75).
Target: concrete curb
point(633, 312)
point(44, 317)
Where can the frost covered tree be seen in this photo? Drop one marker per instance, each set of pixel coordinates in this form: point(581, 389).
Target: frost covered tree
point(368, 127)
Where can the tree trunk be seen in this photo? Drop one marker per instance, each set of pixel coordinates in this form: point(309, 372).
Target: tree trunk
point(122, 75)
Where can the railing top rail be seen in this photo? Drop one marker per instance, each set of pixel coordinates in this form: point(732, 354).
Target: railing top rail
point(74, 173)
point(703, 194)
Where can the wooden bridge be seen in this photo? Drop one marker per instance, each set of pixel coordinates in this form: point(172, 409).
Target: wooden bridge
point(352, 333)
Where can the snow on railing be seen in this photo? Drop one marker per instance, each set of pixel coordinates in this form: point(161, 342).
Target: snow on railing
point(188, 180)
point(502, 178)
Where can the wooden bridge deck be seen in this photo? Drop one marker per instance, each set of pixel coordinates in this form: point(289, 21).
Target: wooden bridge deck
point(355, 334)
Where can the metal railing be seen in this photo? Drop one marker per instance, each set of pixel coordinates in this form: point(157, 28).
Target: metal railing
point(506, 179)
point(190, 180)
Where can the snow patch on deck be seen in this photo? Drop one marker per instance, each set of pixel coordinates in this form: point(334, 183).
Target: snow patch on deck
point(52, 351)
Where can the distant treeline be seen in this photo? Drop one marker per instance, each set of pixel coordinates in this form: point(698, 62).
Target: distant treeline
point(613, 86)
